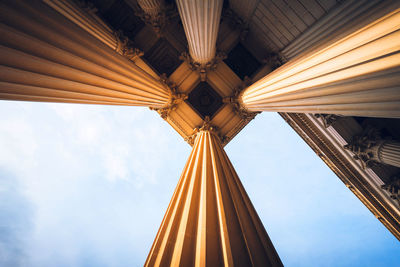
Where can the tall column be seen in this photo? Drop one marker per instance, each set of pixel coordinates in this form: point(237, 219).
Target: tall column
point(355, 72)
point(46, 57)
point(201, 19)
point(210, 220)
point(151, 7)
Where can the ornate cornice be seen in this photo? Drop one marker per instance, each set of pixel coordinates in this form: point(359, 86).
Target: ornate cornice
point(175, 98)
point(393, 188)
point(202, 69)
point(157, 20)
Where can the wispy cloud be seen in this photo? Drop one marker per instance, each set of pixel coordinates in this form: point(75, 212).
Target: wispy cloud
point(92, 184)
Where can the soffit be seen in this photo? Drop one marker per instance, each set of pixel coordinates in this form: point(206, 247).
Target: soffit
point(276, 23)
point(162, 58)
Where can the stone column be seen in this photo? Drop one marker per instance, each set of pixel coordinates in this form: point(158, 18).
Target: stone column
point(210, 220)
point(201, 19)
point(355, 72)
point(46, 57)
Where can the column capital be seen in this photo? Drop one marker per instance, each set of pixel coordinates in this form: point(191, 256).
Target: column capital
point(393, 188)
point(365, 145)
point(125, 47)
point(235, 22)
point(202, 69)
point(235, 100)
point(207, 126)
point(274, 60)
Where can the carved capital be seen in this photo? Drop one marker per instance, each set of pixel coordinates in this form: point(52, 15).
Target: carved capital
point(235, 22)
point(202, 69)
point(393, 188)
point(207, 126)
point(237, 104)
point(125, 47)
point(362, 146)
point(175, 98)
point(328, 119)
point(274, 60)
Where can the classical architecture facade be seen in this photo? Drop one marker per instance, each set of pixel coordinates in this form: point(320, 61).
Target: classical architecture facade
point(208, 67)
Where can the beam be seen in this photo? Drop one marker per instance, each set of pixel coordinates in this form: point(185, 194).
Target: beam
point(354, 73)
point(46, 57)
point(210, 220)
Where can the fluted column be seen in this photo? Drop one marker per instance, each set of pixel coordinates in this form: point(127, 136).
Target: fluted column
point(388, 152)
point(210, 220)
point(46, 57)
point(201, 19)
point(151, 7)
point(356, 74)
point(85, 20)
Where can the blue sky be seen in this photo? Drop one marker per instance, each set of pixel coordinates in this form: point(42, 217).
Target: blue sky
point(86, 185)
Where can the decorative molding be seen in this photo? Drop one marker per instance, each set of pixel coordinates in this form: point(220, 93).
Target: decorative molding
point(361, 145)
point(175, 98)
point(207, 126)
point(393, 188)
point(202, 69)
point(126, 48)
point(237, 105)
point(235, 22)
point(156, 17)
point(328, 119)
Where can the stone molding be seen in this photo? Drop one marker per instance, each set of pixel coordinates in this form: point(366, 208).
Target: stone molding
point(175, 98)
point(202, 69)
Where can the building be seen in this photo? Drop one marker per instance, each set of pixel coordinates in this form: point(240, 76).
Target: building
point(330, 69)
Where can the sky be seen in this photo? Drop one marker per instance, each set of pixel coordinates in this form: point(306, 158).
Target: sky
point(88, 185)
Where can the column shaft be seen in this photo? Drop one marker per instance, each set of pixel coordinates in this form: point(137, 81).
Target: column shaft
point(201, 19)
point(210, 220)
point(46, 57)
point(85, 20)
point(150, 7)
point(356, 74)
